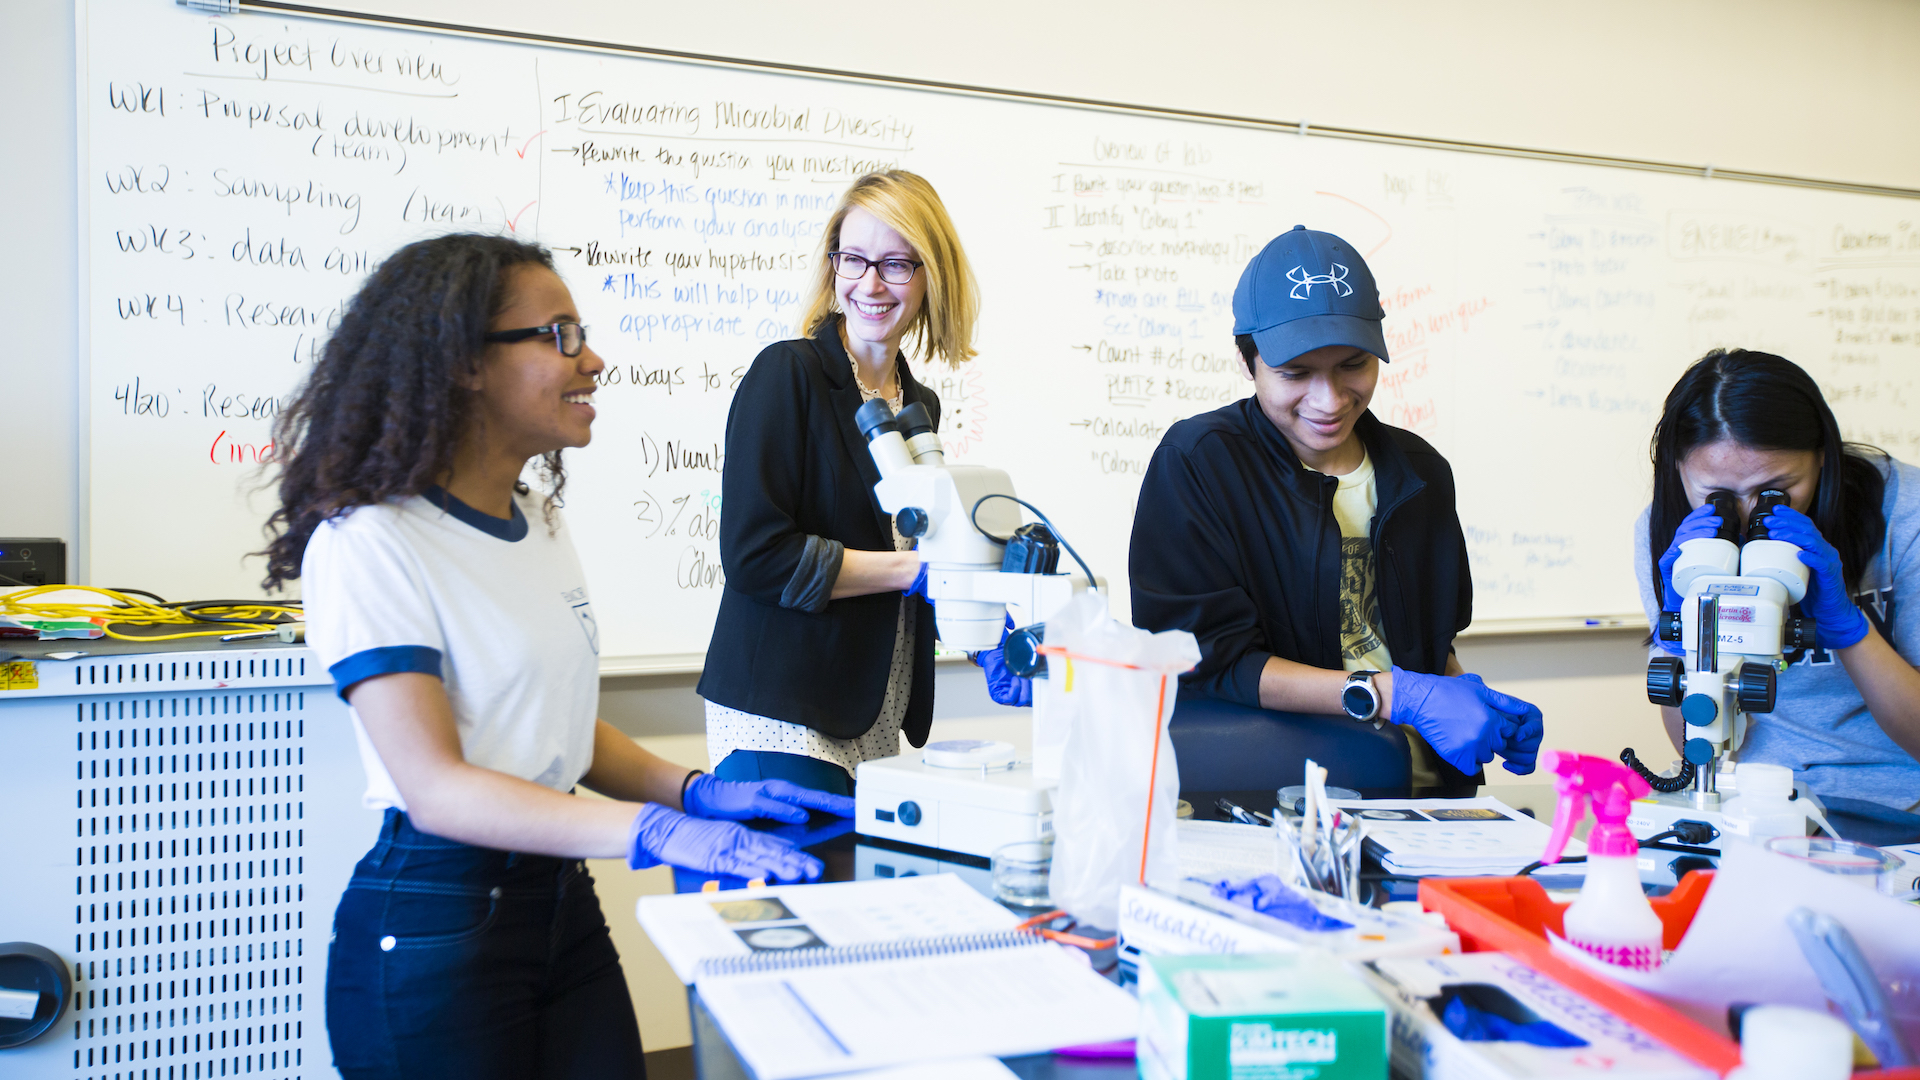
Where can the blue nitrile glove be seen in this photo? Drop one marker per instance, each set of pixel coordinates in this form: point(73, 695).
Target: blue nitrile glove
point(708, 796)
point(1003, 686)
point(1838, 621)
point(660, 835)
point(919, 586)
point(1450, 714)
point(1703, 523)
point(1268, 895)
point(1520, 731)
point(1470, 1023)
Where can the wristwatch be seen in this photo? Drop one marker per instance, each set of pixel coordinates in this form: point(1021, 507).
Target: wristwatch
point(1360, 698)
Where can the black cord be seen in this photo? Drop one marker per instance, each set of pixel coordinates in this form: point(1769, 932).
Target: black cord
point(1663, 784)
point(192, 610)
point(1537, 864)
point(1650, 843)
point(974, 516)
point(155, 597)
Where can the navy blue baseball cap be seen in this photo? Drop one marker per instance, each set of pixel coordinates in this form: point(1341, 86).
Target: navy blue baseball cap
point(1307, 290)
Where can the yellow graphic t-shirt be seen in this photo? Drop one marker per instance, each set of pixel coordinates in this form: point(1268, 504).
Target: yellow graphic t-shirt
point(1363, 642)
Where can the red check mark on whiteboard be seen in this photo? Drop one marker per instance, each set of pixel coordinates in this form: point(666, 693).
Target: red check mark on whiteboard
point(513, 223)
point(522, 152)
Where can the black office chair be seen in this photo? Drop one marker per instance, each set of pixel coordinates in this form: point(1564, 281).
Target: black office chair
point(1222, 746)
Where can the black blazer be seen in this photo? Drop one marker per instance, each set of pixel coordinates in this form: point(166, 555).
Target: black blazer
point(798, 467)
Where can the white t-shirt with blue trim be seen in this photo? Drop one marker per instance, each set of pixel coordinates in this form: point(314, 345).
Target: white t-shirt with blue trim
point(497, 609)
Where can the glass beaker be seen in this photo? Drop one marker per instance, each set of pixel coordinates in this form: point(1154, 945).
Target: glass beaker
point(1021, 872)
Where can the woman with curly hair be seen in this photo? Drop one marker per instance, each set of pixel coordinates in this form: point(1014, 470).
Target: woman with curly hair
point(817, 662)
point(1847, 717)
point(469, 941)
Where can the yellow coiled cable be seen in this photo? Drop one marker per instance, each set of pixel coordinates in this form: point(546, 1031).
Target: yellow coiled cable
point(238, 617)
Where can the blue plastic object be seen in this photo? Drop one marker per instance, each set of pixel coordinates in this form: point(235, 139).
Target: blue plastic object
point(1471, 1023)
point(1270, 896)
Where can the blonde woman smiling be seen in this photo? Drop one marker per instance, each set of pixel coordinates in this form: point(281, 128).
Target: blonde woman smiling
point(818, 661)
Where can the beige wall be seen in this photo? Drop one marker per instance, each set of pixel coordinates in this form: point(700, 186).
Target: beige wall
point(1825, 89)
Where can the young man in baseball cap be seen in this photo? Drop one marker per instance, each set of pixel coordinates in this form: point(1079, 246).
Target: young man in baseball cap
point(1315, 551)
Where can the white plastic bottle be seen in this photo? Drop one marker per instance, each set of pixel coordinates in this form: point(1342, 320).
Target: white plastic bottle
point(1780, 1042)
point(1611, 919)
point(1764, 807)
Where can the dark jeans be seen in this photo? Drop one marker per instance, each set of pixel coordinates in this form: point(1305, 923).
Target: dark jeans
point(460, 961)
point(748, 765)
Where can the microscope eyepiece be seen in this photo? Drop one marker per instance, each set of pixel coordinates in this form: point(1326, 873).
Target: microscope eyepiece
point(1726, 506)
point(914, 420)
point(1765, 504)
point(876, 418)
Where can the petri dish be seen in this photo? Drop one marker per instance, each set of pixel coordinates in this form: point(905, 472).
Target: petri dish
point(1860, 863)
point(1292, 800)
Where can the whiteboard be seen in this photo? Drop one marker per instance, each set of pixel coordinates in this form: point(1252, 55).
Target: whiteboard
point(241, 174)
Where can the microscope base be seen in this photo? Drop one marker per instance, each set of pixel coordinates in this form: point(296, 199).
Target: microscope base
point(971, 811)
point(1658, 812)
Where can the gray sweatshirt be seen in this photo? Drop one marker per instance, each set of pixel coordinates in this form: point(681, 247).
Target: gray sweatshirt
point(1820, 726)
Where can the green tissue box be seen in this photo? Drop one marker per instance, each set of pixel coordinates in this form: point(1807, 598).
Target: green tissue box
point(1282, 1016)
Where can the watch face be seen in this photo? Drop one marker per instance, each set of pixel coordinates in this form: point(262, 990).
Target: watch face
point(1357, 699)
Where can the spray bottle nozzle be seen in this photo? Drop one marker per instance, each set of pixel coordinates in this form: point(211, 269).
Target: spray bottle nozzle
point(1607, 787)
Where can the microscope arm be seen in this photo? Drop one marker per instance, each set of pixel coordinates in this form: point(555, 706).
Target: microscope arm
point(1029, 598)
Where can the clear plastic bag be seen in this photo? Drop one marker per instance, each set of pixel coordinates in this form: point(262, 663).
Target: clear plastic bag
point(1119, 782)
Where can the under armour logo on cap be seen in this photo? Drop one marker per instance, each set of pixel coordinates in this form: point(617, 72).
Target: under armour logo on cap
point(1308, 290)
point(1304, 282)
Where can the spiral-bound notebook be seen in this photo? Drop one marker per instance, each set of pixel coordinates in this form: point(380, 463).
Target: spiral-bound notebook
point(690, 927)
point(818, 1011)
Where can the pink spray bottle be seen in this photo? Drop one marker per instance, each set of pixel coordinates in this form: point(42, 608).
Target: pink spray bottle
point(1611, 919)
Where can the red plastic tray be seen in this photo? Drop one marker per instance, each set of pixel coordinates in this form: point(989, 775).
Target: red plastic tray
point(1513, 914)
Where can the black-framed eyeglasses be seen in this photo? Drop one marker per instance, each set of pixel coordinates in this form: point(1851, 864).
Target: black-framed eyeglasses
point(569, 337)
point(854, 267)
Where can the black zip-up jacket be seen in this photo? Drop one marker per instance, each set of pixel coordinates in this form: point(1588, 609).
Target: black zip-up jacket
point(797, 489)
point(1235, 540)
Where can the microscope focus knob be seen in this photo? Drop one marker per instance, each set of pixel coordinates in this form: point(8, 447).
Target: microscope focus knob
point(1666, 680)
point(1757, 685)
point(912, 522)
point(1699, 710)
point(1021, 651)
point(1670, 627)
point(1699, 752)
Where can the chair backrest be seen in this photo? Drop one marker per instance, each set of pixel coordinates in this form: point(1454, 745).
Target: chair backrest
point(1222, 746)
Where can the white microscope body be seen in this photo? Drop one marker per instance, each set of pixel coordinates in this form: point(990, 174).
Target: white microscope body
point(1734, 623)
point(939, 504)
point(959, 801)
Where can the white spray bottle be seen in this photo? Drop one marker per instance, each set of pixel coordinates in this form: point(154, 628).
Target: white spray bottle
point(1612, 919)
